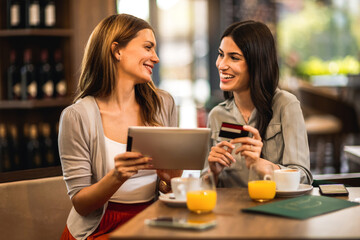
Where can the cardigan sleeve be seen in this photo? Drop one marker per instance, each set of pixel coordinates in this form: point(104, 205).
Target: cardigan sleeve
point(74, 150)
point(169, 115)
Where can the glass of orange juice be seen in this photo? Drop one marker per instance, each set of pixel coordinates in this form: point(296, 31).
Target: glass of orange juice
point(261, 184)
point(201, 194)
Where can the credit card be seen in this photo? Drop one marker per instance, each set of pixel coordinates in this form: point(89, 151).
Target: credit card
point(230, 130)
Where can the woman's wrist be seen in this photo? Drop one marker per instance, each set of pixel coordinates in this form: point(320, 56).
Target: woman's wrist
point(117, 176)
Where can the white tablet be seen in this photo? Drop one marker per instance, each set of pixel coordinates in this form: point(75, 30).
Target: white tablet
point(170, 147)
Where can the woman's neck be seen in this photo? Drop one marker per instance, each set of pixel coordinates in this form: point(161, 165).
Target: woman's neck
point(244, 104)
point(122, 97)
point(119, 111)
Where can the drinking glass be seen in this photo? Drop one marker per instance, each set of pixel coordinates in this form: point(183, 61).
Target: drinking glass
point(261, 184)
point(201, 194)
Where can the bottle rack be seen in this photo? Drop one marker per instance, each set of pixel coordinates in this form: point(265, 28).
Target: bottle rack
point(23, 112)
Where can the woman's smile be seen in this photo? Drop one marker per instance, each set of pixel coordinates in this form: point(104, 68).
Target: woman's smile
point(149, 67)
point(225, 77)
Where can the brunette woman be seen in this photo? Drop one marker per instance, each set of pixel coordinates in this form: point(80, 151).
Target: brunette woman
point(249, 76)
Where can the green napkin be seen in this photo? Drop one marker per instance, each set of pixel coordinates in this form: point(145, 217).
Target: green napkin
point(302, 207)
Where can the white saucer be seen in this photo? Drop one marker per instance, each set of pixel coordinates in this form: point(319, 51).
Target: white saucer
point(303, 188)
point(170, 200)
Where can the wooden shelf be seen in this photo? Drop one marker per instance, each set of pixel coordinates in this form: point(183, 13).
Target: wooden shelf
point(36, 32)
point(30, 104)
point(70, 36)
point(30, 174)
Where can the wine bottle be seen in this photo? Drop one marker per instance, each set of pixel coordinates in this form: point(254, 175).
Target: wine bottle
point(46, 83)
point(15, 14)
point(29, 89)
point(14, 146)
point(33, 16)
point(48, 9)
point(33, 148)
point(59, 75)
point(5, 162)
point(14, 78)
point(23, 144)
point(46, 145)
point(54, 136)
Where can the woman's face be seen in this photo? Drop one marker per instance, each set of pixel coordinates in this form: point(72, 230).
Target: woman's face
point(138, 58)
point(233, 69)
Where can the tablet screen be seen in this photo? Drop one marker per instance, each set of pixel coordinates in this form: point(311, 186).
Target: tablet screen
point(171, 148)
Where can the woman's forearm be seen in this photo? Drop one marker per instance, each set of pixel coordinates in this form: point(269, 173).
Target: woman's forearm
point(95, 196)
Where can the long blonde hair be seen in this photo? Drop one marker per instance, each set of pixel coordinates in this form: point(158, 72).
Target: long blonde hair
point(98, 68)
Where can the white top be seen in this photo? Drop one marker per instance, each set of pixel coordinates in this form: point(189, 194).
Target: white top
point(139, 188)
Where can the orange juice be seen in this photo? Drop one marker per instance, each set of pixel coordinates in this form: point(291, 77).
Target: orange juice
point(201, 201)
point(262, 190)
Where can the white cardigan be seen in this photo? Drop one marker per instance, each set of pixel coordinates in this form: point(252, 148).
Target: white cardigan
point(83, 156)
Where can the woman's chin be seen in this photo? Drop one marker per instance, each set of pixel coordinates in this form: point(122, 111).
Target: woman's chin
point(225, 88)
point(143, 80)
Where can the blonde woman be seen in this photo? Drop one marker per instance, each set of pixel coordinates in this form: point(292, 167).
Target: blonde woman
point(106, 184)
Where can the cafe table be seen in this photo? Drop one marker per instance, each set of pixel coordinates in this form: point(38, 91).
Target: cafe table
point(232, 223)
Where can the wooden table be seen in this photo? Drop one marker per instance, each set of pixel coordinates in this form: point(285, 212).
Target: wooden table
point(234, 224)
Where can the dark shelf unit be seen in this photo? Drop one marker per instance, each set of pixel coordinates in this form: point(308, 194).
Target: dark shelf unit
point(20, 112)
point(70, 33)
point(36, 32)
point(33, 104)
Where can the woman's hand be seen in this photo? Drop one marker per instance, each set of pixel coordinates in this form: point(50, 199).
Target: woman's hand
point(250, 147)
point(96, 195)
point(167, 175)
point(165, 178)
point(129, 163)
point(219, 157)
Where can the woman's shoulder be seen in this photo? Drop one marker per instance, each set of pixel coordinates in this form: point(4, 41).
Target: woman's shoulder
point(168, 111)
point(167, 99)
point(80, 107)
point(221, 107)
point(166, 96)
point(283, 98)
point(285, 102)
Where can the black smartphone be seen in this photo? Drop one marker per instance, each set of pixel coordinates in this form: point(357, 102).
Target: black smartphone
point(333, 190)
point(174, 222)
point(231, 130)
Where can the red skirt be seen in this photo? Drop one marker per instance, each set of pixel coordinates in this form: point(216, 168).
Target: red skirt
point(116, 214)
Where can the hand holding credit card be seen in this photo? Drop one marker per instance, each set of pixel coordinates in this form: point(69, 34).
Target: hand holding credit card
point(230, 130)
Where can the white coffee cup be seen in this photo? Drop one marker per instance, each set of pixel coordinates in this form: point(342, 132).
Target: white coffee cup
point(179, 187)
point(287, 179)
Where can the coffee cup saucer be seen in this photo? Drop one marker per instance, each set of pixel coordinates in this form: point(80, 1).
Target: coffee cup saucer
point(303, 189)
point(170, 200)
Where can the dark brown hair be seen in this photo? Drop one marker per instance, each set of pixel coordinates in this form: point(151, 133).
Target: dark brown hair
point(257, 44)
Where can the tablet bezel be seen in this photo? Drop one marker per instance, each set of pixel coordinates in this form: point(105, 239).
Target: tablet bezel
point(170, 147)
